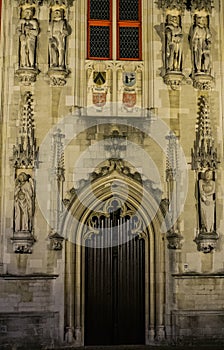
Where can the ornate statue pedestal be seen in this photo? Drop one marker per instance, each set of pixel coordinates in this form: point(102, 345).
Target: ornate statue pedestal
point(27, 75)
point(202, 81)
point(57, 76)
point(174, 79)
point(22, 242)
point(174, 238)
point(206, 241)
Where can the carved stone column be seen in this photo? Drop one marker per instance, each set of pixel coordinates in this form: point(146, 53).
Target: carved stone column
point(172, 42)
point(172, 176)
point(57, 181)
point(200, 40)
point(204, 162)
point(25, 159)
point(28, 31)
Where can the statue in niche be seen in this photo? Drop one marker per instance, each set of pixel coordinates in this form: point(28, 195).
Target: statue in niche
point(173, 43)
point(28, 29)
point(58, 31)
point(207, 201)
point(200, 40)
point(24, 194)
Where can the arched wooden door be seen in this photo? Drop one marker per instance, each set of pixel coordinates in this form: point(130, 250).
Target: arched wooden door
point(115, 282)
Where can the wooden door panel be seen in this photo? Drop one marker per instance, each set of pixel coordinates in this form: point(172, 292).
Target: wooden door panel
point(114, 290)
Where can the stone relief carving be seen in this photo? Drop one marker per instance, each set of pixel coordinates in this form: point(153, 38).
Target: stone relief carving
point(58, 31)
point(205, 163)
point(200, 39)
point(173, 42)
point(25, 159)
point(207, 201)
point(24, 197)
point(28, 30)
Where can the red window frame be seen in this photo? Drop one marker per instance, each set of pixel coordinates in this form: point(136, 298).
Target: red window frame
point(119, 24)
point(133, 24)
point(100, 23)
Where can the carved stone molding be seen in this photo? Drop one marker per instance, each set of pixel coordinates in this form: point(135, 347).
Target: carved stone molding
point(206, 242)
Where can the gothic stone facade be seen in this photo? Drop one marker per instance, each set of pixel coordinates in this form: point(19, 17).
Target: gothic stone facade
point(133, 146)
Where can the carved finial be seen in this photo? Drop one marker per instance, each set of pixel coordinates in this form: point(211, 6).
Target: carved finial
point(58, 167)
point(172, 157)
point(25, 152)
point(29, 2)
point(172, 4)
point(204, 153)
point(201, 5)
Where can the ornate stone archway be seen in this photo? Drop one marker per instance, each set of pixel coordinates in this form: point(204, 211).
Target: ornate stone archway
point(114, 180)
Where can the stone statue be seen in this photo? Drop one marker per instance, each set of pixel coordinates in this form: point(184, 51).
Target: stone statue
point(207, 202)
point(28, 29)
point(24, 194)
point(200, 40)
point(173, 43)
point(58, 30)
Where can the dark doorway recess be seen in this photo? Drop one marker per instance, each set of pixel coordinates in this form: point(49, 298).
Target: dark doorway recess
point(115, 284)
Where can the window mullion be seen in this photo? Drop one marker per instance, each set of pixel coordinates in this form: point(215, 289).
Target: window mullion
point(114, 29)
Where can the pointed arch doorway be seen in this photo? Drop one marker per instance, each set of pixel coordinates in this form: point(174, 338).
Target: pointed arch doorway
point(114, 261)
point(115, 279)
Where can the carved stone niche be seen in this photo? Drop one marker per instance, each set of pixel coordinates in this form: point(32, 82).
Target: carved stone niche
point(206, 242)
point(23, 242)
point(56, 241)
point(173, 49)
point(28, 31)
point(58, 31)
point(200, 40)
